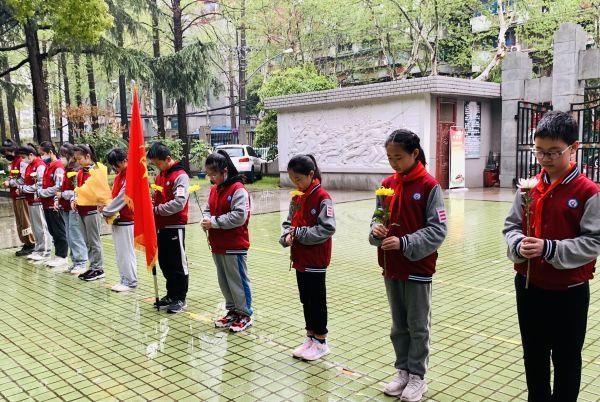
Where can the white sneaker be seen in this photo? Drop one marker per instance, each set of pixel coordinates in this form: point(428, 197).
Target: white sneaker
point(33, 255)
point(397, 385)
point(57, 262)
point(39, 257)
point(78, 270)
point(299, 351)
point(316, 351)
point(119, 287)
point(414, 389)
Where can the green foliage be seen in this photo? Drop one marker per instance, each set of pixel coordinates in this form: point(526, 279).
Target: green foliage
point(199, 150)
point(103, 140)
point(175, 145)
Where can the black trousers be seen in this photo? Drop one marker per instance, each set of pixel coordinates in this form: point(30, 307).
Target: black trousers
point(553, 325)
point(313, 296)
point(173, 262)
point(57, 229)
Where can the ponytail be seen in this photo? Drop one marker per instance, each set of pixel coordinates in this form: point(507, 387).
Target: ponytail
point(220, 161)
point(304, 164)
point(409, 141)
point(48, 146)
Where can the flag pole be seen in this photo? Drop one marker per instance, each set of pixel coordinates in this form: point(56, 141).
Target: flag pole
point(155, 287)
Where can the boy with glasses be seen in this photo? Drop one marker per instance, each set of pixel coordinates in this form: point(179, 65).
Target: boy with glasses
point(562, 249)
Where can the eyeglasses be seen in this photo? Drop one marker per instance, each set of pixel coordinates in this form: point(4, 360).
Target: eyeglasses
point(551, 155)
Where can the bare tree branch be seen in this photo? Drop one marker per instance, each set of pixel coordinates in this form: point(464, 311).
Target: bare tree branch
point(16, 47)
point(185, 28)
point(16, 67)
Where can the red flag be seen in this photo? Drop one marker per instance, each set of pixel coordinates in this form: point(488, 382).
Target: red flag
point(137, 188)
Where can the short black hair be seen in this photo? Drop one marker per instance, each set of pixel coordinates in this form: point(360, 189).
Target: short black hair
point(159, 151)
point(9, 145)
point(558, 126)
point(115, 156)
point(26, 150)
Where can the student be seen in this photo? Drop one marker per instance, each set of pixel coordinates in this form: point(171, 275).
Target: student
point(73, 223)
point(562, 248)
point(226, 219)
point(51, 184)
point(171, 216)
point(308, 231)
point(90, 219)
point(122, 226)
point(32, 180)
point(407, 247)
point(24, 231)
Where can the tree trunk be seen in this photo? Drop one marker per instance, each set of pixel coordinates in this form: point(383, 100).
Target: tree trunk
point(158, 96)
point(2, 121)
point(40, 104)
point(232, 114)
point(65, 76)
point(504, 24)
point(78, 97)
point(58, 108)
point(123, 90)
point(242, 73)
point(181, 106)
point(89, 65)
point(12, 113)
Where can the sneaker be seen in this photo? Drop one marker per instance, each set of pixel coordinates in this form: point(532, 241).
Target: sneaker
point(225, 322)
point(25, 251)
point(77, 269)
point(90, 275)
point(299, 351)
point(57, 262)
point(164, 302)
point(178, 306)
point(316, 351)
point(242, 322)
point(119, 287)
point(36, 256)
point(397, 385)
point(414, 390)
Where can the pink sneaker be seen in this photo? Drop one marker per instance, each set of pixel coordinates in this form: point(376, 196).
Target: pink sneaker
point(299, 351)
point(316, 351)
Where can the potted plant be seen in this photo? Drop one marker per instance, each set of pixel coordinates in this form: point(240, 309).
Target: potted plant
point(199, 150)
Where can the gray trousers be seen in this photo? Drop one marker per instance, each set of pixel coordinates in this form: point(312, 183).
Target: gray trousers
point(43, 240)
point(75, 237)
point(91, 228)
point(410, 304)
point(125, 254)
point(232, 273)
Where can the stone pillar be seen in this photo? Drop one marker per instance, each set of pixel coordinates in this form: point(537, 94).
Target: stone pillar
point(516, 70)
point(566, 87)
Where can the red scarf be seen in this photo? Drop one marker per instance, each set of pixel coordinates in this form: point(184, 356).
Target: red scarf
point(416, 173)
point(545, 190)
point(299, 200)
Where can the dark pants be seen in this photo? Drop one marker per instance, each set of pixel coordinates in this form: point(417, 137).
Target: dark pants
point(173, 262)
point(553, 325)
point(57, 229)
point(313, 296)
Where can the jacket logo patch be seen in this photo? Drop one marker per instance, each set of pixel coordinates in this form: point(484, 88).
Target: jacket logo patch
point(416, 196)
point(573, 203)
point(229, 199)
point(168, 183)
point(313, 211)
point(329, 211)
point(442, 215)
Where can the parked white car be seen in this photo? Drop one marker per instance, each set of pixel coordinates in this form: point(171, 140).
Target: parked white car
point(245, 160)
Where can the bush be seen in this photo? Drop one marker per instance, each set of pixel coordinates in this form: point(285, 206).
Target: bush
point(175, 145)
point(199, 150)
point(102, 140)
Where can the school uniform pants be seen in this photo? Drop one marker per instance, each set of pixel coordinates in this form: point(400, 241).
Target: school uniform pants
point(75, 237)
point(43, 240)
point(232, 273)
point(313, 296)
point(56, 227)
point(122, 234)
point(553, 325)
point(91, 228)
point(410, 305)
point(173, 262)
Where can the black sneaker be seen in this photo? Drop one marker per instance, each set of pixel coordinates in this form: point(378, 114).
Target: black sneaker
point(164, 302)
point(92, 275)
point(178, 306)
point(26, 250)
point(86, 273)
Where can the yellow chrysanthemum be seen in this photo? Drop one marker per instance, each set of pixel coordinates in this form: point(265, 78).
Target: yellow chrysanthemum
point(15, 171)
point(194, 188)
point(296, 193)
point(384, 191)
point(156, 187)
point(71, 174)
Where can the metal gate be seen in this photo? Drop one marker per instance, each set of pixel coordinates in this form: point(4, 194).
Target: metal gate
point(528, 116)
point(587, 115)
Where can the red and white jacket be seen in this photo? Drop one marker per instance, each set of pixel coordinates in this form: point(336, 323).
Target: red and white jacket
point(228, 209)
point(570, 229)
point(31, 184)
point(18, 163)
point(171, 204)
point(51, 183)
point(313, 218)
point(118, 203)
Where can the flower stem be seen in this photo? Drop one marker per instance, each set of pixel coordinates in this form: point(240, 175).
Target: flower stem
point(528, 234)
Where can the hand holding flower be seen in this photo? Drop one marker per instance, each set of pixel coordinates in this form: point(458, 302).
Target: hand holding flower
point(531, 247)
point(205, 223)
point(390, 243)
point(379, 231)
